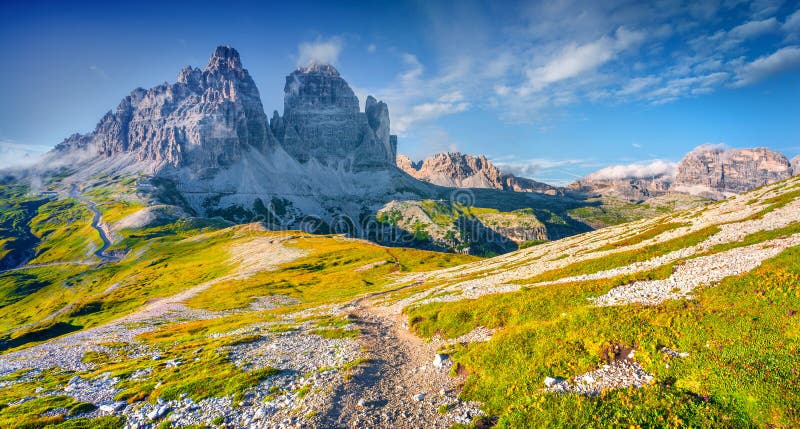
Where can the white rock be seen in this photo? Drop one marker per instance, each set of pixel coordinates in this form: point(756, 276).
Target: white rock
point(159, 412)
point(112, 407)
point(438, 360)
point(550, 381)
point(419, 397)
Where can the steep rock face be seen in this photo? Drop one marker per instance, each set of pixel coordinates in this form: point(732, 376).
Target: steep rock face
point(718, 173)
point(321, 120)
point(204, 120)
point(795, 165)
point(457, 170)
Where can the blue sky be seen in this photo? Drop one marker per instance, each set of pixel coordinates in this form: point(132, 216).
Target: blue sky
point(548, 90)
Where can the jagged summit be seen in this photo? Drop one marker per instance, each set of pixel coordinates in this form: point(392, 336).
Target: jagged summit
point(459, 170)
point(319, 68)
point(203, 121)
point(224, 57)
point(322, 121)
point(718, 173)
point(710, 171)
point(311, 88)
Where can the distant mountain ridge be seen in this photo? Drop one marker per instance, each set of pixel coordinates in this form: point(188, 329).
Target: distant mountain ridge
point(458, 170)
point(709, 171)
point(717, 173)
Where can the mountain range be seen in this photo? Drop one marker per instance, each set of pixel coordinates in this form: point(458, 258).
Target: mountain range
point(190, 263)
point(457, 170)
point(710, 171)
point(205, 147)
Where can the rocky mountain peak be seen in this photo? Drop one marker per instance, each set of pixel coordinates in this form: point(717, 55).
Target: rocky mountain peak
point(205, 120)
point(317, 87)
point(716, 172)
point(795, 165)
point(710, 171)
point(224, 58)
point(321, 120)
point(317, 68)
point(458, 170)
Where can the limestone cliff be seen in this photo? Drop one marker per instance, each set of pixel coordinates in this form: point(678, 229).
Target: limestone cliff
point(204, 120)
point(717, 173)
point(321, 120)
point(457, 170)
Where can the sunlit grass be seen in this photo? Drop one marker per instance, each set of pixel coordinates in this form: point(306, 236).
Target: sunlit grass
point(742, 337)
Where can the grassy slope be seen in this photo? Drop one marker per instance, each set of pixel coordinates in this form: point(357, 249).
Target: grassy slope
point(333, 270)
point(543, 331)
point(742, 336)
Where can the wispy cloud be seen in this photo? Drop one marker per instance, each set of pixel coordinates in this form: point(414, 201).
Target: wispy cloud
point(552, 55)
point(574, 60)
point(635, 171)
point(320, 51)
point(780, 61)
point(99, 72)
point(14, 154)
point(533, 167)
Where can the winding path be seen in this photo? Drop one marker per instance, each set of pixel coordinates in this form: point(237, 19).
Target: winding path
point(96, 219)
point(400, 366)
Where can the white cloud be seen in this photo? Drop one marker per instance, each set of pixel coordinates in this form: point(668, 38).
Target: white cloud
point(99, 72)
point(14, 154)
point(532, 166)
point(635, 171)
point(636, 85)
point(762, 8)
point(500, 65)
point(792, 24)
point(552, 55)
point(711, 147)
point(754, 28)
point(320, 51)
point(780, 61)
point(448, 104)
point(677, 88)
point(574, 60)
point(414, 71)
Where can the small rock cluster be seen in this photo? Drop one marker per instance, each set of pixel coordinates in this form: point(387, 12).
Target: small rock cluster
point(618, 374)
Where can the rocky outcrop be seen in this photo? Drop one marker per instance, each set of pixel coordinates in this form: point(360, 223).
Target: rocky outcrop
point(707, 171)
point(457, 170)
point(795, 165)
point(629, 188)
point(321, 120)
point(441, 225)
point(717, 173)
point(204, 120)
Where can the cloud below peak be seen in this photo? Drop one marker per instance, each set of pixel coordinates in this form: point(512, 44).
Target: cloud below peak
point(635, 171)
